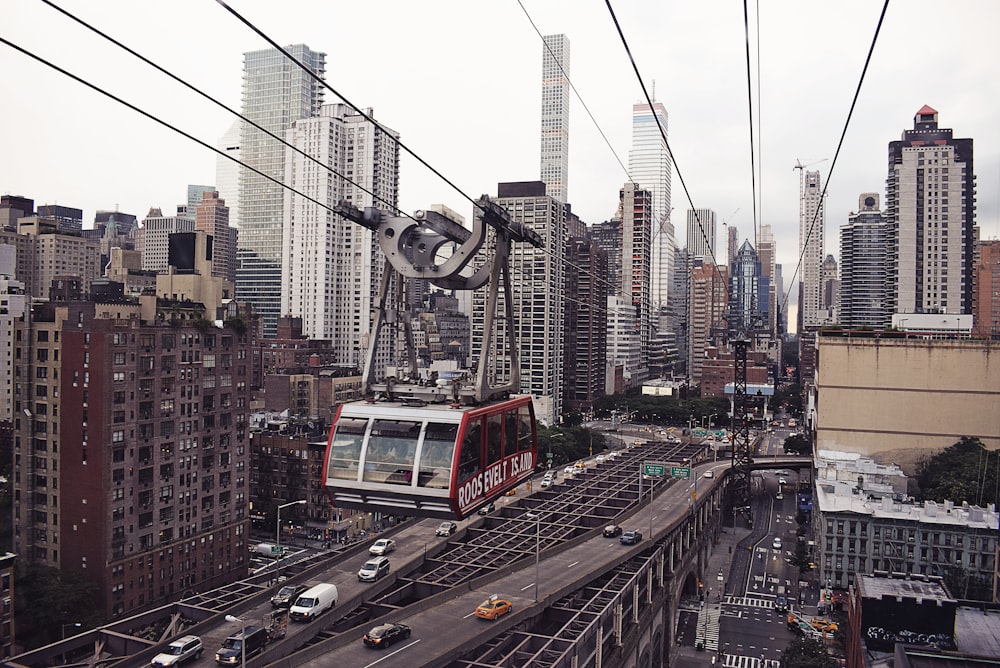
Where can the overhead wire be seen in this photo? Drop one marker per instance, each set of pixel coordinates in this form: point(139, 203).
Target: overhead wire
point(221, 105)
point(840, 144)
point(753, 162)
point(663, 136)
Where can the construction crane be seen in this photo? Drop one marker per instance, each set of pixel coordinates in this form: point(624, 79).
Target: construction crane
point(800, 166)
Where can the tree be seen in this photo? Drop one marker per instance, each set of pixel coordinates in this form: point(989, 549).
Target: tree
point(965, 471)
point(45, 598)
point(797, 444)
point(806, 653)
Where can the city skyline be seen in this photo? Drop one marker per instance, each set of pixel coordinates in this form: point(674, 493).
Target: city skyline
point(139, 165)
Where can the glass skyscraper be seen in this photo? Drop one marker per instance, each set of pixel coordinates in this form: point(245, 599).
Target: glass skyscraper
point(555, 116)
point(276, 93)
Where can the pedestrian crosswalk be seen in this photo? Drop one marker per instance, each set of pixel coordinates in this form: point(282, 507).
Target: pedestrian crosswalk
point(739, 661)
point(750, 601)
point(708, 627)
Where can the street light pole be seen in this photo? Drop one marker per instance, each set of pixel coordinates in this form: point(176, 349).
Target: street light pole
point(538, 523)
point(243, 636)
point(277, 544)
point(66, 626)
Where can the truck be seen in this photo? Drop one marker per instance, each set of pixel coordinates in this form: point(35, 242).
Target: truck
point(313, 602)
point(266, 549)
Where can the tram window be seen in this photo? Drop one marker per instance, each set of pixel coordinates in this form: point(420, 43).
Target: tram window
point(524, 438)
point(469, 461)
point(392, 448)
point(345, 451)
point(494, 439)
point(436, 456)
point(509, 433)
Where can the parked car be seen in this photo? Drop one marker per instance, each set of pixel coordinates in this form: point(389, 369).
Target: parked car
point(241, 646)
point(382, 546)
point(630, 537)
point(314, 601)
point(374, 569)
point(612, 530)
point(446, 529)
point(488, 508)
point(179, 651)
point(776, 543)
point(493, 608)
point(385, 634)
point(287, 595)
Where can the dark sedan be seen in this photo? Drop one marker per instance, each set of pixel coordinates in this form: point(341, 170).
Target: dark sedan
point(286, 596)
point(631, 537)
point(386, 634)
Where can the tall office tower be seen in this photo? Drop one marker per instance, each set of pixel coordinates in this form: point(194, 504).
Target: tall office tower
point(829, 283)
point(812, 223)
point(13, 207)
point(608, 235)
point(780, 306)
point(539, 293)
point(931, 209)
point(211, 216)
point(766, 253)
point(333, 267)
point(701, 234)
point(154, 237)
point(863, 266)
point(227, 172)
point(194, 197)
point(624, 358)
point(276, 93)
point(708, 308)
point(70, 220)
point(555, 116)
point(637, 216)
point(131, 470)
point(732, 244)
point(748, 292)
point(679, 294)
point(14, 301)
point(649, 168)
point(986, 291)
point(586, 323)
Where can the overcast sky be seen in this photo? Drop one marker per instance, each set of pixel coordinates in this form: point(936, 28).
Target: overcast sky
point(460, 81)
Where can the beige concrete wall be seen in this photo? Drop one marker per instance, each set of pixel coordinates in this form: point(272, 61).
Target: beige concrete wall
point(899, 399)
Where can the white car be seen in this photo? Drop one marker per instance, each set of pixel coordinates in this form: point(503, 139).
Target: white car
point(600, 459)
point(776, 544)
point(781, 481)
point(179, 651)
point(569, 470)
point(547, 481)
point(382, 547)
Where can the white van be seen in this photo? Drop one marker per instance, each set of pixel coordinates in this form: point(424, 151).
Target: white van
point(313, 602)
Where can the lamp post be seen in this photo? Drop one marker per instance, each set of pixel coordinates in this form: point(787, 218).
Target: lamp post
point(277, 544)
point(538, 523)
point(243, 637)
point(66, 626)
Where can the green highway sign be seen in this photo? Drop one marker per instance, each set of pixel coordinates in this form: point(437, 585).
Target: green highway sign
point(680, 472)
point(656, 470)
point(277, 551)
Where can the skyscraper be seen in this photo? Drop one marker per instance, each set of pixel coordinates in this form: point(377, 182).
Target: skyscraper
point(748, 292)
point(227, 172)
point(812, 217)
point(766, 253)
point(276, 93)
point(650, 168)
point(708, 309)
point(332, 266)
point(701, 233)
point(555, 116)
point(637, 215)
point(211, 216)
point(539, 291)
point(931, 209)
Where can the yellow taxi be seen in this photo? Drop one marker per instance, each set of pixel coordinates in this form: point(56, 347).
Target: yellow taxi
point(493, 607)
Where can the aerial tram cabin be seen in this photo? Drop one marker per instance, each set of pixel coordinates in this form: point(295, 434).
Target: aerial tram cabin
point(435, 447)
point(435, 460)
